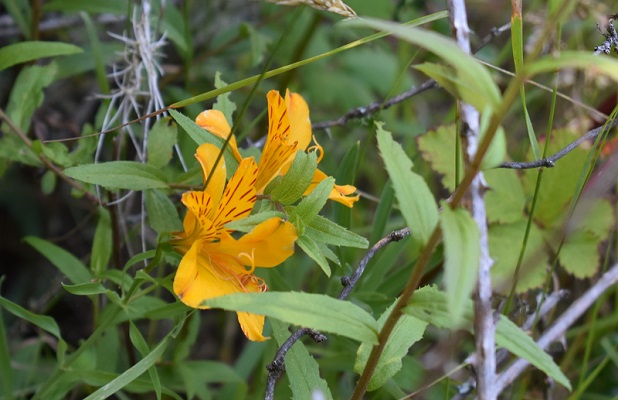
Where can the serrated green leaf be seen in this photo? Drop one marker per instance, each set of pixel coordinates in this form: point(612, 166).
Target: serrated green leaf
point(27, 94)
point(416, 202)
point(438, 149)
point(33, 50)
point(326, 231)
point(407, 331)
point(311, 248)
point(200, 135)
point(505, 242)
point(309, 207)
point(467, 69)
point(66, 262)
point(86, 289)
point(462, 254)
point(496, 153)
point(224, 103)
point(161, 141)
point(118, 7)
point(102, 243)
point(595, 216)
point(287, 189)
point(505, 199)
point(579, 254)
point(161, 212)
point(430, 305)
point(119, 174)
point(315, 311)
point(301, 367)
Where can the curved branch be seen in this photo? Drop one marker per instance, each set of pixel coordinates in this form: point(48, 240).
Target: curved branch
point(548, 162)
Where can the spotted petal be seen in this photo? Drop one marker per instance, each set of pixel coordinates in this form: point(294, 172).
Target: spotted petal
point(239, 195)
point(207, 154)
point(278, 150)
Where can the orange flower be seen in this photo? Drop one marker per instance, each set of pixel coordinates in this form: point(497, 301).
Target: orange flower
point(214, 263)
point(289, 130)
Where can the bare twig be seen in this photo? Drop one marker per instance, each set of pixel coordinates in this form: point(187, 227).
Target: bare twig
point(276, 368)
point(484, 326)
point(549, 161)
point(611, 38)
point(548, 304)
point(559, 327)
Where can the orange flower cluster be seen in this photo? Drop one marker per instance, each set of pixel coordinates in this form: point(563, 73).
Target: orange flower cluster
point(214, 263)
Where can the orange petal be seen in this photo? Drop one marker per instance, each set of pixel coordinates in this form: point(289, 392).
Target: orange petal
point(200, 205)
point(267, 245)
point(197, 280)
point(214, 122)
point(278, 150)
point(207, 154)
point(339, 193)
point(300, 124)
point(252, 326)
point(239, 195)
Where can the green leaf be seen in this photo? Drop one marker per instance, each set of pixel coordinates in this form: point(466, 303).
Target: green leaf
point(346, 174)
point(462, 254)
point(33, 50)
point(247, 224)
point(496, 153)
point(594, 215)
point(6, 378)
point(86, 289)
point(438, 148)
point(57, 152)
point(416, 202)
point(382, 213)
point(224, 103)
point(579, 254)
point(119, 174)
point(301, 368)
point(48, 182)
point(175, 26)
point(161, 141)
point(309, 207)
point(66, 262)
point(575, 59)
point(21, 12)
point(505, 199)
point(515, 340)
point(48, 324)
point(408, 330)
point(311, 248)
point(161, 212)
point(140, 344)
point(27, 94)
point(118, 7)
point(102, 243)
point(326, 231)
point(132, 373)
point(200, 135)
point(467, 71)
point(315, 311)
point(259, 43)
point(430, 305)
point(505, 243)
point(287, 189)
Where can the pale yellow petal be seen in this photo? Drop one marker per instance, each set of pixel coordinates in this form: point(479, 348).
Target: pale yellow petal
point(214, 122)
point(300, 124)
point(239, 195)
point(207, 154)
point(267, 245)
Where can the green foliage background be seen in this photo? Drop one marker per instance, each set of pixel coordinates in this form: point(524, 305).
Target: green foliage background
point(90, 312)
